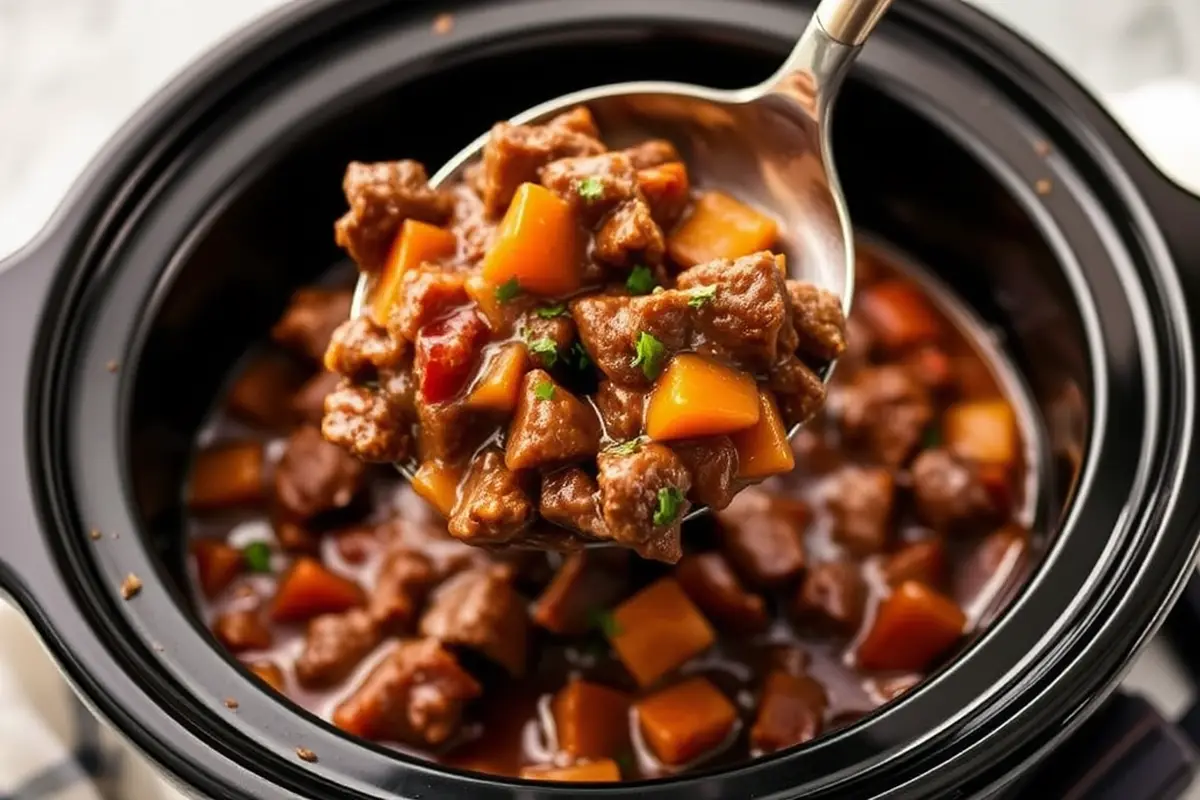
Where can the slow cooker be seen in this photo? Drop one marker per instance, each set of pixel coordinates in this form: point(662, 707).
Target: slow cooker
point(958, 142)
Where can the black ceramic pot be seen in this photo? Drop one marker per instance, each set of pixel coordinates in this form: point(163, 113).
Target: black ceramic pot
point(184, 238)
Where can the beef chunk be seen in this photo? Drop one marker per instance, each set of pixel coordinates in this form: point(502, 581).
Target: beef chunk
point(381, 196)
point(861, 501)
point(333, 646)
point(368, 423)
point(308, 403)
point(242, 630)
point(609, 327)
point(310, 320)
point(763, 537)
point(886, 409)
point(800, 391)
point(471, 224)
point(621, 410)
point(791, 711)
point(404, 579)
point(630, 233)
point(593, 185)
point(832, 598)
point(634, 489)
point(315, 476)
point(425, 295)
point(748, 313)
point(494, 507)
point(560, 330)
point(480, 609)
point(585, 584)
point(296, 538)
point(262, 393)
point(711, 584)
point(550, 426)
point(948, 491)
point(360, 348)
point(414, 696)
point(652, 153)
point(446, 431)
point(923, 561)
point(569, 498)
point(515, 153)
point(713, 463)
point(817, 316)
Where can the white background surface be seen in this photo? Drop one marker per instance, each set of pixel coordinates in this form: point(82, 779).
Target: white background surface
point(71, 71)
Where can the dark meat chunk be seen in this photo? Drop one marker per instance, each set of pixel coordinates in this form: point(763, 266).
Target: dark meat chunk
point(789, 658)
point(333, 646)
point(360, 348)
point(630, 233)
point(817, 316)
point(310, 320)
point(635, 490)
point(714, 588)
point(923, 561)
point(295, 537)
point(381, 196)
point(262, 393)
point(494, 507)
point(832, 598)
point(667, 190)
point(609, 327)
point(515, 153)
point(355, 545)
point(586, 584)
point(415, 696)
point(550, 426)
point(652, 153)
point(593, 185)
point(560, 330)
point(713, 464)
point(861, 501)
point(621, 410)
point(790, 712)
point(368, 423)
point(471, 224)
point(886, 409)
point(446, 431)
point(570, 499)
point(308, 403)
point(404, 580)
point(218, 564)
point(948, 491)
point(242, 630)
point(425, 295)
point(314, 476)
point(480, 609)
point(800, 391)
point(763, 537)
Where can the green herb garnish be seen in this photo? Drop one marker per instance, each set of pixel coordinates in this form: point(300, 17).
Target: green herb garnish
point(257, 556)
point(605, 622)
point(650, 355)
point(670, 502)
point(702, 295)
point(932, 438)
point(590, 188)
point(579, 357)
point(626, 448)
point(545, 349)
point(544, 390)
point(550, 312)
point(640, 280)
point(508, 290)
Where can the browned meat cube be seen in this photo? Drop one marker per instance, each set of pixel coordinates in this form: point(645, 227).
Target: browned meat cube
point(764, 538)
point(652, 153)
point(643, 498)
point(355, 545)
point(711, 584)
point(471, 224)
point(593, 185)
point(861, 501)
point(551, 426)
point(559, 330)
point(367, 423)
point(414, 696)
point(262, 393)
point(493, 507)
point(515, 153)
point(609, 327)
point(630, 233)
point(800, 391)
point(381, 196)
point(425, 295)
point(817, 316)
point(295, 537)
point(242, 630)
point(310, 320)
point(446, 431)
point(923, 561)
point(570, 498)
point(948, 491)
point(667, 190)
point(308, 403)
point(360, 348)
point(886, 409)
point(586, 584)
point(333, 646)
point(314, 476)
point(621, 410)
point(790, 712)
point(405, 578)
point(218, 564)
point(832, 598)
point(480, 609)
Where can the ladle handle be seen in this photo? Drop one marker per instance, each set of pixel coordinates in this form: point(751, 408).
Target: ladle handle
point(850, 22)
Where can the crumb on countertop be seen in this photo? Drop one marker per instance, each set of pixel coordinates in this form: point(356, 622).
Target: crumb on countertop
point(112, 366)
point(231, 704)
point(130, 586)
point(304, 754)
point(95, 534)
point(443, 24)
point(1043, 186)
point(1041, 147)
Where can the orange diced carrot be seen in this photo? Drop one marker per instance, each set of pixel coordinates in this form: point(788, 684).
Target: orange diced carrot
point(217, 564)
point(437, 484)
point(912, 627)
point(698, 397)
point(685, 721)
point(657, 630)
point(227, 476)
point(499, 384)
point(764, 449)
point(417, 243)
point(720, 227)
point(537, 245)
point(983, 431)
point(605, 770)
point(592, 721)
point(308, 590)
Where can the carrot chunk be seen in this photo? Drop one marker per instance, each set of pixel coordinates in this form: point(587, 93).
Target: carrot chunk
point(604, 770)
point(226, 476)
point(536, 244)
point(657, 630)
point(685, 721)
point(666, 189)
point(698, 397)
point(764, 449)
point(437, 484)
point(720, 227)
point(912, 627)
point(308, 590)
point(983, 431)
point(592, 720)
point(499, 384)
point(417, 243)
point(268, 673)
point(899, 315)
point(217, 564)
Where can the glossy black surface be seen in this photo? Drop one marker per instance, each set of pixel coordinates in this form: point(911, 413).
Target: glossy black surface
point(219, 197)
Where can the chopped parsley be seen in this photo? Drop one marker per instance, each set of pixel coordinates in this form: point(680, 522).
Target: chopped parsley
point(640, 280)
point(625, 762)
point(670, 503)
point(550, 312)
point(590, 188)
point(932, 438)
point(626, 448)
point(702, 295)
point(509, 290)
point(579, 357)
point(544, 390)
point(605, 622)
point(545, 349)
point(650, 355)
point(257, 556)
